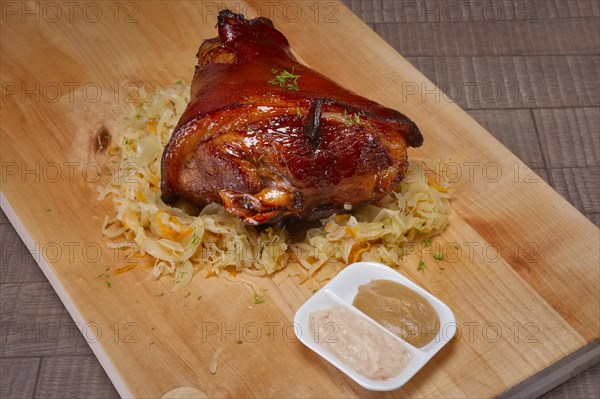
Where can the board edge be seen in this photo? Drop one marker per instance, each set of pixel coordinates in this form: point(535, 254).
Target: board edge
point(556, 374)
point(66, 300)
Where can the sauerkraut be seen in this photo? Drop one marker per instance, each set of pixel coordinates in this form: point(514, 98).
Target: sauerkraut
point(180, 241)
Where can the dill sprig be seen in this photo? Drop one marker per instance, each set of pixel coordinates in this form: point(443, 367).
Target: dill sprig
point(285, 79)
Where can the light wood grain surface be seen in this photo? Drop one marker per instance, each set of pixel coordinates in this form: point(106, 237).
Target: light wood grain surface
point(545, 109)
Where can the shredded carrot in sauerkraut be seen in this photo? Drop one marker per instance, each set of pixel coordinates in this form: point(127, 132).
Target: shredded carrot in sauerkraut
point(183, 242)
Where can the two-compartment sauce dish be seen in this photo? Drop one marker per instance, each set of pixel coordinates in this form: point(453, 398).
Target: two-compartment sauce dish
point(375, 325)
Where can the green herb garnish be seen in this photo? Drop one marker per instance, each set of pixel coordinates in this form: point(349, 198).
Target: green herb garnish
point(179, 275)
point(421, 267)
point(347, 119)
point(351, 119)
point(195, 238)
point(438, 256)
point(257, 299)
point(357, 117)
point(285, 79)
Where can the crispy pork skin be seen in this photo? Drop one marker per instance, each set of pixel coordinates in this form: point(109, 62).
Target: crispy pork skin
point(270, 138)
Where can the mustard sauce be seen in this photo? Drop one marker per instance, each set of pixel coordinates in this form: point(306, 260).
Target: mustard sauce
point(400, 310)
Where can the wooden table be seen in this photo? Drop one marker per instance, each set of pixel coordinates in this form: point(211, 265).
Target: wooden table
point(528, 73)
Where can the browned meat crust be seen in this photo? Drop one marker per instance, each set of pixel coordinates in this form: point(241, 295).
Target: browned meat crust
point(270, 138)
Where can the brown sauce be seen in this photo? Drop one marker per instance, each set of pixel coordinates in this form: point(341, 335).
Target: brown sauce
point(400, 310)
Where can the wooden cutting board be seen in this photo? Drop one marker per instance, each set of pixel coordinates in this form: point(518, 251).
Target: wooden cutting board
point(524, 284)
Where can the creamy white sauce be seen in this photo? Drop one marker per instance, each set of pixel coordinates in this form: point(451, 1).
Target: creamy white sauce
point(358, 343)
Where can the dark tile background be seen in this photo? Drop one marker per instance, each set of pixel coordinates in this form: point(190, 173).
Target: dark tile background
point(541, 56)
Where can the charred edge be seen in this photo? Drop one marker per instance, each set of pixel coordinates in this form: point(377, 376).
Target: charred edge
point(169, 198)
point(413, 136)
point(167, 194)
point(229, 17)
point(312, 123)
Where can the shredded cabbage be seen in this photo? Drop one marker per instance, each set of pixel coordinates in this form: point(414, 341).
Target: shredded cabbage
point(180, 242)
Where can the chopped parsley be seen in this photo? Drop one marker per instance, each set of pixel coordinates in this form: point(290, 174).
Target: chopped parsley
point(426, 242)
point(421, 267)
point(285, 79)
point(348, 119)
point(353, 119)
point(357, 117)
point(438, 256)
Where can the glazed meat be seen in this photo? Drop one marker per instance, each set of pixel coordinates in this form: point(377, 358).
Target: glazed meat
point(270, 138)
